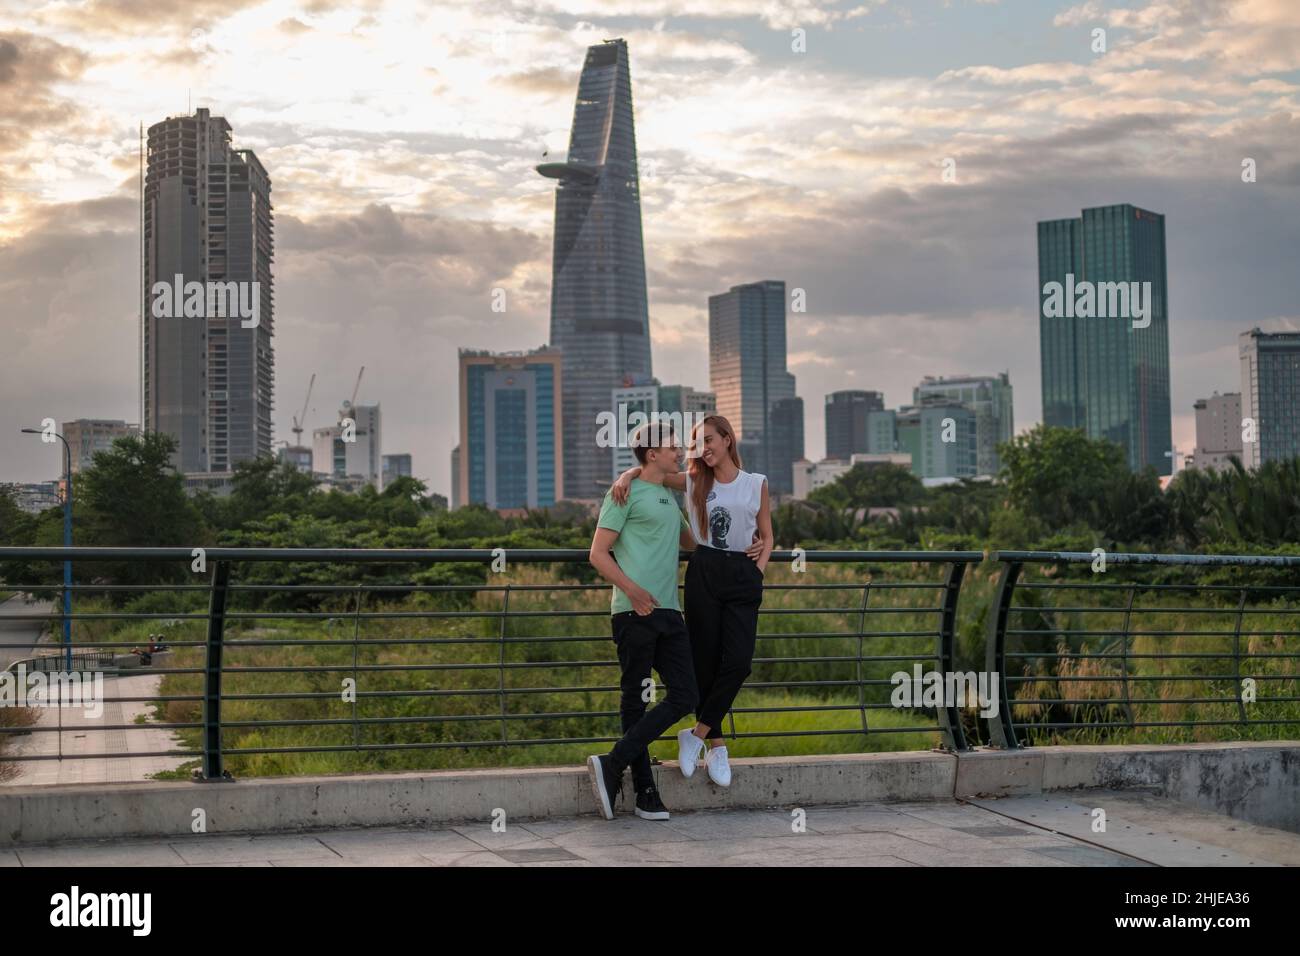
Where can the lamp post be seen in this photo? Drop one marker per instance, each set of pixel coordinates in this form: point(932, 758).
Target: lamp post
point(67, 543)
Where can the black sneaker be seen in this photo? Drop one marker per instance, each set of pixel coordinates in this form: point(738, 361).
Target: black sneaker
point(649, 806)
point(606, 784)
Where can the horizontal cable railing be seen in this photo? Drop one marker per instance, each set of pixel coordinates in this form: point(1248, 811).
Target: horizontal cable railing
point(1139, 659)
point(306, 660)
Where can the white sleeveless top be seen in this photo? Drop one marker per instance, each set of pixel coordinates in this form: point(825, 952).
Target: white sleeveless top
point(733, 512)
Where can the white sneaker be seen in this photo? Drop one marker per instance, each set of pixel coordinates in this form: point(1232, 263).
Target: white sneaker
point(688, 751)
point(719, 769)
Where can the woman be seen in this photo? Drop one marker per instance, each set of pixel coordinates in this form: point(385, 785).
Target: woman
point(731, 520)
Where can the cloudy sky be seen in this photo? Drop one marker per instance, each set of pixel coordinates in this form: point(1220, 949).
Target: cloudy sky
point(401, 139)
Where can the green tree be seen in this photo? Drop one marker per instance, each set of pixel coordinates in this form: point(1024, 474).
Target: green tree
point(132, 496)
point(1058, 474)
point(871, 486)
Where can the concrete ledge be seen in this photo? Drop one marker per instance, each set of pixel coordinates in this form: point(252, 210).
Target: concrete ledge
point(1256, 781)
point(999, 773)
point(120, 811)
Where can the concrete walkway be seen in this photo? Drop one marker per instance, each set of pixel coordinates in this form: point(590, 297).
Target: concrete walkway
point(1054, 830)
point(79, 741)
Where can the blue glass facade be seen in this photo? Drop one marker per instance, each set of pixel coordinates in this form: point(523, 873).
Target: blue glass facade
point(1102, 374)
point(509, 431)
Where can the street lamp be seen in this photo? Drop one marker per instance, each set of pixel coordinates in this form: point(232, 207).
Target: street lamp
point(67, 543)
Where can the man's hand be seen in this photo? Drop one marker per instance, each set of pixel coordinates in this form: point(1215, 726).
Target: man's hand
point(758, 552)
point(643, 602)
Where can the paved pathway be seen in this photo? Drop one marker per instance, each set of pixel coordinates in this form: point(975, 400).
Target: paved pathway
point(1028, 831)
point(78, 736)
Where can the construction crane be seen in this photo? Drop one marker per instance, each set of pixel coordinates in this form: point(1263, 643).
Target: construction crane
point(357, 387)
point(300, 420)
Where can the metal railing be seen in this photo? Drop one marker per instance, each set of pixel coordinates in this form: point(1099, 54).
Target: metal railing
point(444, 655)
point(1080, 654)
point(499, 665)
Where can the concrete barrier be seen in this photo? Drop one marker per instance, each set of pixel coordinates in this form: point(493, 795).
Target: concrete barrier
point(1254, 782)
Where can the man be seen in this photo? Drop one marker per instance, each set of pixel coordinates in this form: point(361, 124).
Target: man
point(649, 631)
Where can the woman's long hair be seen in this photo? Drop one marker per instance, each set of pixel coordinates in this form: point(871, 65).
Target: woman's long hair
point(701, 474)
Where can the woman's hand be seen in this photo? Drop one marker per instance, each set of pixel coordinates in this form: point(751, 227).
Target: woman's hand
point(622, 487)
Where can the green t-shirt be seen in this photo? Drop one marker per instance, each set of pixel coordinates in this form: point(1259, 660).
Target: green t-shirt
point(649, 528)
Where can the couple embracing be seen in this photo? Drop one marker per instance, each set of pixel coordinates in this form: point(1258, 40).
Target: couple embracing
point(704, 659)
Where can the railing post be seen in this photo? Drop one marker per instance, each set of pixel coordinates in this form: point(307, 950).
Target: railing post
point(950, 712)
point(1236, 657)
point(212, 767)
point(505, 614)
point(995, 662)
point(1128, 619)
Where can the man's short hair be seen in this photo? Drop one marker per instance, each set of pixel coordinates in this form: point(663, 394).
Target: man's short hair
point(653, 434)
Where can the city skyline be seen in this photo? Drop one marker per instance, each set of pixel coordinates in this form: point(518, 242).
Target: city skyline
point(396, 218)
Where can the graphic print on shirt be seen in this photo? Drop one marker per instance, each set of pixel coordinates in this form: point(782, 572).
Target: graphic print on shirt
point(719, 527)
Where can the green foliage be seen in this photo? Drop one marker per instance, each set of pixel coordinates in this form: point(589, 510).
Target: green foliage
point(871, 486)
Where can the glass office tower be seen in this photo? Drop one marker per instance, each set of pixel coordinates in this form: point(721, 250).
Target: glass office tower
point(1102, 374)
point(747, 372)
point(599, 317)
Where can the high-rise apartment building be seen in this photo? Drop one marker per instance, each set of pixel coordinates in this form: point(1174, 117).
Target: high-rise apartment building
point(207, 362)
point(1218, 431)
point(1270, 395)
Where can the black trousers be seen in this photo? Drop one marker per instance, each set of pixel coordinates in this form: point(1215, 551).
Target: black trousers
point(657, 640)
point(723, 592)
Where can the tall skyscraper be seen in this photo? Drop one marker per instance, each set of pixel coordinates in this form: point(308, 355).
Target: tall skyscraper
point(747, 372)
point(1270, 395)
point(511, 437)
point(599, 317)
point(847, 415)
point(1105, 375)
point(208, 377)
point(990, 398)
point(1218, 431)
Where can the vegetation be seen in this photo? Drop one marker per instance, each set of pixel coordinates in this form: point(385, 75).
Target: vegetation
point(485, 677)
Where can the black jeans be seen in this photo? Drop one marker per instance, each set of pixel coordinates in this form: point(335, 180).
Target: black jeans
point(723, 592)
point(656, 640)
